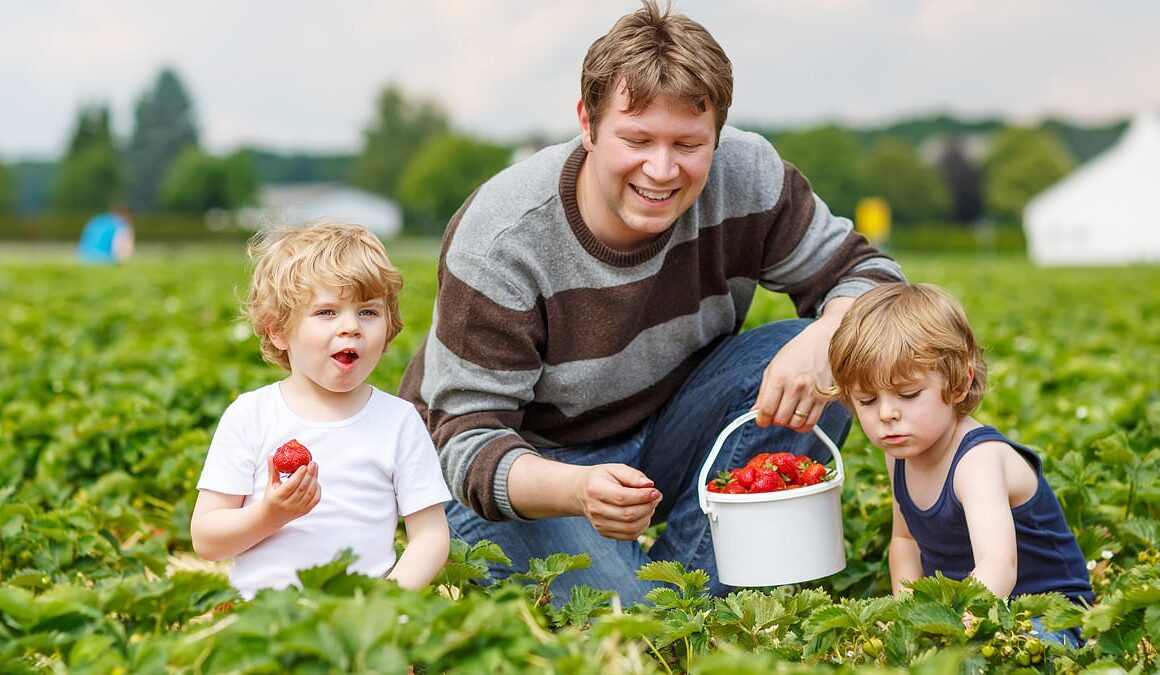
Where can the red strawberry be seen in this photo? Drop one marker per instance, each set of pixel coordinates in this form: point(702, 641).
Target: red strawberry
point(787, 466)
point(813, 474)
point(767, 481)
point(722, 481)
point(758, 459)
point(290, 456)
point(745, 477)
point(735, 488)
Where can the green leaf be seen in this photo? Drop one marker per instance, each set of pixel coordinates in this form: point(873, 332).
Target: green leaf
point(937, 619)
point(666, 571)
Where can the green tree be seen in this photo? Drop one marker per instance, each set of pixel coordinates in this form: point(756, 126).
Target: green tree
point(1022, 162)
point(914, 190)
point(7, 190)
point(401, 127)
point(963, 179)
point(241, 178)
point(198, 182)
point(442, 175)
point(164, 124)
point(830, 158)
point(90, 175)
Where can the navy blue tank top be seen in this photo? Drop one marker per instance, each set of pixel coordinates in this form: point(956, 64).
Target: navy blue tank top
point(1049, 557)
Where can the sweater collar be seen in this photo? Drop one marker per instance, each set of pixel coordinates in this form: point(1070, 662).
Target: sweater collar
point(596, 248)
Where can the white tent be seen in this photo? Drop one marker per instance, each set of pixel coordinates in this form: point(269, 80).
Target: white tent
point(301, 203)
point(1107, 211)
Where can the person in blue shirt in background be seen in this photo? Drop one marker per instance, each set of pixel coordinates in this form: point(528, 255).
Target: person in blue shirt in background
point(107, 238)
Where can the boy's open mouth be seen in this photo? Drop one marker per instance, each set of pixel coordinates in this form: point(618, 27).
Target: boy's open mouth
point(345, 357)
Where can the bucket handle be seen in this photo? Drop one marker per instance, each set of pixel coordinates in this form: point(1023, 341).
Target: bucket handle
point(702, 491)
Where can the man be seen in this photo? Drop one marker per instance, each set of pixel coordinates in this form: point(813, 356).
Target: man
point(585, 350)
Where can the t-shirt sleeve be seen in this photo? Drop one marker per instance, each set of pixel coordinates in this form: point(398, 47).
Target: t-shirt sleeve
point(232, 461)
point(419, 481)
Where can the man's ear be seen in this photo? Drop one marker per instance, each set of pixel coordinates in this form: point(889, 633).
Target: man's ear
point(585, 125)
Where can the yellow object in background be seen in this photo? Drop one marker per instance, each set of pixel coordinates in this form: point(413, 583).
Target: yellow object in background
point(872, 219)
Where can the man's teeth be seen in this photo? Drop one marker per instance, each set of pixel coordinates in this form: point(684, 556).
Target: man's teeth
point(655, 196)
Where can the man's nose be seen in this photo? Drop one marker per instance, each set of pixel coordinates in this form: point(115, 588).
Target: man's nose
point(660, 165)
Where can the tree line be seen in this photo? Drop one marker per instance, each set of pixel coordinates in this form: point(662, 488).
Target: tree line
point(930, 170)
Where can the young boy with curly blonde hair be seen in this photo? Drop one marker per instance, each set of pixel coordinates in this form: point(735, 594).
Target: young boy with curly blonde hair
point(967, 500)
point(324, 304)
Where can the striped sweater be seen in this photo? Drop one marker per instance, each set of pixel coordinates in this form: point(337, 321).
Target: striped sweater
point(544, 337)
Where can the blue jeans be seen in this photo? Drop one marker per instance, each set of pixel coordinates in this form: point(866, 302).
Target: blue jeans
point(669, 448)
point(1072, 637)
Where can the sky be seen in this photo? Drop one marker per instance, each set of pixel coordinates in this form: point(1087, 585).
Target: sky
point(297, 75)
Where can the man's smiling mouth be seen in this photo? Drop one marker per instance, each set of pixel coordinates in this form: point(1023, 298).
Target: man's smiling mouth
point(652, 195)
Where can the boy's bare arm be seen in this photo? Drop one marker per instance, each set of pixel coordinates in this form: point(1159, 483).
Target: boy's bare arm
point(982, 486)
point(222, 528)
point(904, 558)
point(428, 542)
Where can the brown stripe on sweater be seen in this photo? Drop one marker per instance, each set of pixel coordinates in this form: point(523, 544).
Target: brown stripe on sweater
point(619, 314)
point(479, 486)
point(793, 213)
point(613, 419)
point(807, 294)
point(412, 381)
point(484, 332)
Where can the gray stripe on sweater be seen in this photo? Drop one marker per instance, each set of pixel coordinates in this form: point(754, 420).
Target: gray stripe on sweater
point(538, 242)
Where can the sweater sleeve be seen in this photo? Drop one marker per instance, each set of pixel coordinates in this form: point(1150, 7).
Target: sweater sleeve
point(475, 374)
point(815, 256)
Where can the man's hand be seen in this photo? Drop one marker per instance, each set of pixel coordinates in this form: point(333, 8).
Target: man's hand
point(617, 499)
point(788, 396)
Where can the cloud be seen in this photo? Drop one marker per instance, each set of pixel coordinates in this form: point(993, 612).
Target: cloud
point(303, 75)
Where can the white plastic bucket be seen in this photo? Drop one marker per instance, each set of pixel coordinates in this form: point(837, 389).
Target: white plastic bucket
point(775, 538)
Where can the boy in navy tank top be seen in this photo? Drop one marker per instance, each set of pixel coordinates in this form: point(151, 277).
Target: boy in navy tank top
point(967, 500)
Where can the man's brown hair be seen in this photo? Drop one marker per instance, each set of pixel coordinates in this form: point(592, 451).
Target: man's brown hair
point(655, 53)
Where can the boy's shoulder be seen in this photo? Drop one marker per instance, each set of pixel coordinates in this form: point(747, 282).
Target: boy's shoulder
point(253, 400)
point(386, 404)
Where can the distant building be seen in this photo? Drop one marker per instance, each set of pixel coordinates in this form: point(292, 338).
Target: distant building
point(300, 203)
point(1103, 212)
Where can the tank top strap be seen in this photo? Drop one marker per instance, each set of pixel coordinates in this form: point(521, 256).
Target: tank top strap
point(971, 439)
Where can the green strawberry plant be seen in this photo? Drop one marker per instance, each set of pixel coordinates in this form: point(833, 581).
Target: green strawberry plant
point(112, 380)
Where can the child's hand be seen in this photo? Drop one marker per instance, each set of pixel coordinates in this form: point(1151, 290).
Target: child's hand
point(294, 497)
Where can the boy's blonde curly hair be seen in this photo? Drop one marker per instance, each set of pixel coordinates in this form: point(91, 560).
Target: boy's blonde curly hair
point(896, 332)
point(289, 262)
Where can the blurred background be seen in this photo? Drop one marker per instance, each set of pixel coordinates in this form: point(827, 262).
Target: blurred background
point(933, 123)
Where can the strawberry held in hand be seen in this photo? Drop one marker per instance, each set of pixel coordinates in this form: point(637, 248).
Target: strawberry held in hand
point(290, 456)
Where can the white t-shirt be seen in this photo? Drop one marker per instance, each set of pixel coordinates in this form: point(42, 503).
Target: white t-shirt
point(373, 467)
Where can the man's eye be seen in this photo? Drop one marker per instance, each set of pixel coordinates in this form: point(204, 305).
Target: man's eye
point(688, 147)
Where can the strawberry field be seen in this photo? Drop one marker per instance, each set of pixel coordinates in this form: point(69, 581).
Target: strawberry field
point(113, 379)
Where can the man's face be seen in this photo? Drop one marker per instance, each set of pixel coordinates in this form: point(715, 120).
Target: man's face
point(644, 170)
